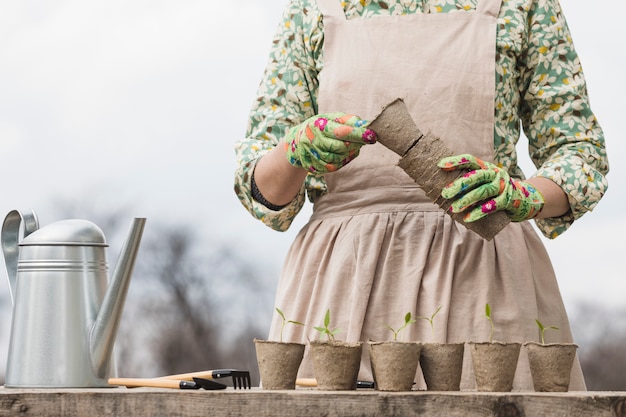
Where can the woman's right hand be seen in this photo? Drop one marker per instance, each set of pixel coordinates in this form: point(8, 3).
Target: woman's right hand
point(327, 142)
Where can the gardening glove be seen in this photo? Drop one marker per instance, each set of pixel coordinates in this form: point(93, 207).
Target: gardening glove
point(488, 188)
point(327, 142)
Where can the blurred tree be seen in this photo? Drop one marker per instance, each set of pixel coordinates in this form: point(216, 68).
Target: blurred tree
point(187, 334)
point(193, 310)
point(604, 365)
point(601, 335)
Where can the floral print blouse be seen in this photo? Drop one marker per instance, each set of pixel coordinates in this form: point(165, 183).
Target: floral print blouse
point(539, 82)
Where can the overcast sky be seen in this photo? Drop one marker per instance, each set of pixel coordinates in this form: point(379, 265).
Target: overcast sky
point(139, 103)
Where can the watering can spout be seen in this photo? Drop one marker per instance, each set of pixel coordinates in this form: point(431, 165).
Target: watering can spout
point(105, 327)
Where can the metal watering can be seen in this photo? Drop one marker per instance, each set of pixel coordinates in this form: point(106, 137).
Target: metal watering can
point(65, 311)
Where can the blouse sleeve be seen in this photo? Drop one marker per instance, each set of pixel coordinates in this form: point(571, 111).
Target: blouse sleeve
point(285, 97)
point(566, 143)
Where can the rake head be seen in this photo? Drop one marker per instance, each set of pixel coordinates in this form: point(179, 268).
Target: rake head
point(241, 379)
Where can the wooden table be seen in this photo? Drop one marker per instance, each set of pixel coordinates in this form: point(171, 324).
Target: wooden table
point(305, 402)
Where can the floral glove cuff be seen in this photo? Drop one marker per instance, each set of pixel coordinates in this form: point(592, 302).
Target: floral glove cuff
point(327, 142)
point(488, 188)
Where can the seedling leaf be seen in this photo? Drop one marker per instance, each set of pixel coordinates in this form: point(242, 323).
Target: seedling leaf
point(542, 330)
point(285, 321)
point(407, 320)
point(330, 333)
point(488, 315)
point(430, 320)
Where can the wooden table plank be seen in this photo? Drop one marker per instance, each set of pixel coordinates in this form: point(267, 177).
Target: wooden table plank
point(304, 403)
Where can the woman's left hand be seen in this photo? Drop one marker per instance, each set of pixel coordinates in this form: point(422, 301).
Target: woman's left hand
point(488, 188)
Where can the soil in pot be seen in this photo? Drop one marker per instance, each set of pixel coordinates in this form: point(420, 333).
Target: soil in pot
point(442, 365)
point(494, 365)
point(394, 364)
point(278, 363)
point(335, 364)
point(551, 365)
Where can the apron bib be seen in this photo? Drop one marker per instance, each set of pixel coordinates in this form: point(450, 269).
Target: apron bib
point(441, 64)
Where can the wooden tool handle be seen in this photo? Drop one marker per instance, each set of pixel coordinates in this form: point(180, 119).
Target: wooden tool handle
point(190, 375)
point(145, 382)
point(306, 382)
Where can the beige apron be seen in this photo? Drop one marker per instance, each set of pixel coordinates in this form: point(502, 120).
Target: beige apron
point(376, 247)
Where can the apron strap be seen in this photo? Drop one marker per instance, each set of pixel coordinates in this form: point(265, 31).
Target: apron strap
point(489, 7)
point(331, 8)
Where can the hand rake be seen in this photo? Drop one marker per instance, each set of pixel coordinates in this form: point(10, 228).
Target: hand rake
point(241, 379)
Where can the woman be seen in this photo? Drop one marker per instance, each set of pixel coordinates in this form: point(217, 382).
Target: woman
point(375, 247)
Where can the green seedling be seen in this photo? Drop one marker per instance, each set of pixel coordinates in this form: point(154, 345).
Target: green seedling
point(407, 320)
point(542, 330)
point(330, 333)
point(285, 322)
point(430, 320)
point(488, 315)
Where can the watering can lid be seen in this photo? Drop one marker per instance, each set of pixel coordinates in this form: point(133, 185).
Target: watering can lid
point(67, 232)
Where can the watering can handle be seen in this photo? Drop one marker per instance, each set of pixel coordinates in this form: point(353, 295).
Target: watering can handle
point(10, 241)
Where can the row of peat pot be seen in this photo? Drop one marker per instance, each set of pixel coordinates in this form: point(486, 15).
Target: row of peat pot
point(394, 364)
